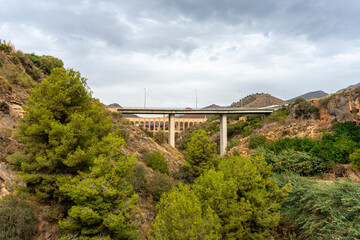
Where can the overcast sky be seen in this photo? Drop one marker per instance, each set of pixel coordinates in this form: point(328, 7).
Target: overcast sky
point(221, 49)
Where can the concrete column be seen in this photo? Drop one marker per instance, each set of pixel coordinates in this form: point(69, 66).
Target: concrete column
point(172, 129)
point(223, 134)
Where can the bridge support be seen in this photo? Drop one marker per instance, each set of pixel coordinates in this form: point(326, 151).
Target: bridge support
point(223, 134)
point(172, 129)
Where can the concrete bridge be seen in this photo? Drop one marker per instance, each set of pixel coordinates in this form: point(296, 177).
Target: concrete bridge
point(221, 111)
point(162, 124)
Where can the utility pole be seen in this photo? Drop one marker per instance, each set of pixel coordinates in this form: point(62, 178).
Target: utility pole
point(241, 100)
point(144, 97)
point(195, 97)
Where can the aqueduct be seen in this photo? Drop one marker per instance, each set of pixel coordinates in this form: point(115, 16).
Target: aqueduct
point(162, 124)
point(171, 121)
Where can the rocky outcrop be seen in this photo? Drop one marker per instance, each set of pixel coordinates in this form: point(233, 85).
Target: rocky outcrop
point(341, 107)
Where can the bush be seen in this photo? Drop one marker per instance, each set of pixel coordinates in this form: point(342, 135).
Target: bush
point(160, 138)
point(5, 86)
point(138, 179)
point(233, 143)
point(147, 132)
point(156, 161)
point(299, 162)
point(184, 176)
point(355, 159)
point(321, 211)
point(257, 140)
point(5, 48)
point(158, 184)
point(17, 219)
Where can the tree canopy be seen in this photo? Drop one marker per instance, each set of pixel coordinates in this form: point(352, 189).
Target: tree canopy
point(201, 153)
point(72, 160)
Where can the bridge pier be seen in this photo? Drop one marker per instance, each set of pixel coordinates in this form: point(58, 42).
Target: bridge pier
point(172, 129)
point(223, 134)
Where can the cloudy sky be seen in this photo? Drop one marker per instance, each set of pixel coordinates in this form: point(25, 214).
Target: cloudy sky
point(219, 49)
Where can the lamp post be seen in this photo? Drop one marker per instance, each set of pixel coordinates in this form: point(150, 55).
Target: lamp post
point(144, 97)
point(195, 97)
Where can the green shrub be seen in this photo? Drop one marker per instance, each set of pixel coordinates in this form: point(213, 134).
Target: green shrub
point(5, 86)
point(147, 132)
point(158, 184)
point(138, 179)
point(5, 48)
point(46, 63)
point(279, 114)
point(156, 161)
point(257, 140)
point(160, 137)
point(184, 176)
point(299, 162)
point(355, 159)
point(17, 219)
point(321, 211)
point(234, 142)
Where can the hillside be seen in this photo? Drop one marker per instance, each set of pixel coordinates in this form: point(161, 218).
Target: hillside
point(351, 86)
point(310, 95)
point(16, 79)
point(258, 100)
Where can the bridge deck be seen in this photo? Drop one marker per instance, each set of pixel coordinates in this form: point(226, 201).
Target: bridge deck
point(194, 111)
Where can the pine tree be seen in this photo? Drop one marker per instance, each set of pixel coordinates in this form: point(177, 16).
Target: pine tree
point(200, 154)
point(73, 162)
point(60, 125)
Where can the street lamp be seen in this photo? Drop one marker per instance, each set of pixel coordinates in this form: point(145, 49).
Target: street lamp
point(144, 97)
point(195, 97)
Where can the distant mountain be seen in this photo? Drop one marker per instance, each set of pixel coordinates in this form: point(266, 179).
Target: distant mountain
point(257, 100)
point(351, 86)
point(310, 95)
point(213, 106)
point(114, 105)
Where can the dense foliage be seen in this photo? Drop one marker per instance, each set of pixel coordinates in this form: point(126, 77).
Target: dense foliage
point(200, 154)
point(319, 155)
point(240, 196)
point(156, 161)
point(257, 140)
point(17, 219)
point(320, 210)
point(71, 160)
point(290, 160)
point(182, 216)
point(158, 184)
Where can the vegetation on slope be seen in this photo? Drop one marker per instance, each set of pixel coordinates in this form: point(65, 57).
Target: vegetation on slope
point(73, 162)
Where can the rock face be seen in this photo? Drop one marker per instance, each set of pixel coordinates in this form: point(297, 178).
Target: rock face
point(342, 106)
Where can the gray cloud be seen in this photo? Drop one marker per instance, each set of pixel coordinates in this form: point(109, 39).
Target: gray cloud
point(173, 47)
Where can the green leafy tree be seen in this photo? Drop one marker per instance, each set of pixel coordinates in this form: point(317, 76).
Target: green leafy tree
point(73, 161)
point(201, 153)
point(60, 125)
point(103, 201)
point(244, 196)
point(181, 216)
